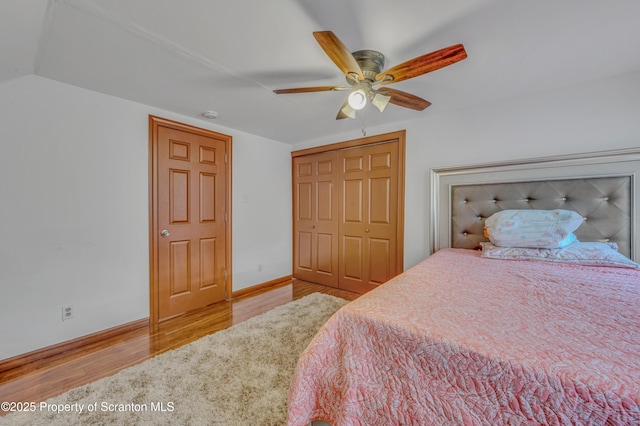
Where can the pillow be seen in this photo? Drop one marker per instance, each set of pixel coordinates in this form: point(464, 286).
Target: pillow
point(533, 228)
point(570, 239)
point(591, 253)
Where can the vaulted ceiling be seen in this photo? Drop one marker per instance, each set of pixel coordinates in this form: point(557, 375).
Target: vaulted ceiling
point(228, 56)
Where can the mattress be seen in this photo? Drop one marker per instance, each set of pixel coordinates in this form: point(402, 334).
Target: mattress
point(464, 340)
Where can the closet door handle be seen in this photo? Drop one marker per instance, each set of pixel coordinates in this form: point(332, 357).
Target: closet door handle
point(366, 230)
point(165, 233)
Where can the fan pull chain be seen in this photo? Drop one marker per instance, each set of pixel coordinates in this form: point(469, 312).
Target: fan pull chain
point(364, 124)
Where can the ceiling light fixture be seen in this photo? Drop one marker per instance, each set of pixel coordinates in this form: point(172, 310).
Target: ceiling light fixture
point(357, 99)
point(364, 69)
point(347, 111)
point(210, 114)
point(381, 100)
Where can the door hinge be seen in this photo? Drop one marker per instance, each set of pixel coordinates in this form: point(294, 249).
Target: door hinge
point(226, 158)
point(225, 275)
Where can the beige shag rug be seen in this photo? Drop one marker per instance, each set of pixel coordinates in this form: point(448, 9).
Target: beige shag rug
point(237, 376)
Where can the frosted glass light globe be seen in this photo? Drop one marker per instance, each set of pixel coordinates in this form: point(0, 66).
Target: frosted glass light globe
point(357, 99)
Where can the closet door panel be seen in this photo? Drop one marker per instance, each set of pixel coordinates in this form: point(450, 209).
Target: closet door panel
point(326, 253)
point(352, 257)
point(379, 260)
point(304, 251)
point(315, 243)
point(353, 202)
point(368, 207)
point(348, 212)
point(305, 200)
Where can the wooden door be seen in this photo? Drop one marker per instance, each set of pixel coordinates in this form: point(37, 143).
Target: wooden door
point(190, 212)
point(315, 215)
point(369, 197)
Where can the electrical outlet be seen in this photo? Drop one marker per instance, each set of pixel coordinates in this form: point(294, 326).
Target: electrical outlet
point(67, 312)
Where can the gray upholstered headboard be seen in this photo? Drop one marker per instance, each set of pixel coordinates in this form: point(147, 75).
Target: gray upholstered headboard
point(605, 203)
point(599, 186)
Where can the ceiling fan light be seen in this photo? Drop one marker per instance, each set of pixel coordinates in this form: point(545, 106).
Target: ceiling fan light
point(357, 99)
point(348, 111)
point(380, 101)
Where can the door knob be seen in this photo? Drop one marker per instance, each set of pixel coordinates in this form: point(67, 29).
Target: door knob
point(165, 233)
point(366, 230)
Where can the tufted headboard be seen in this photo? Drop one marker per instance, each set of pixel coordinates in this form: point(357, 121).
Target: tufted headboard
point(605, 204)
point(601, 187)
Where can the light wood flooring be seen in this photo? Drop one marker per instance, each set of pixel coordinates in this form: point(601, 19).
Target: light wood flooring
point(45, 378)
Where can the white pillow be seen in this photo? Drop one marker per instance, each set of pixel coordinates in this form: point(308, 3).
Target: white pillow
point(590, 253)
point(532, 228)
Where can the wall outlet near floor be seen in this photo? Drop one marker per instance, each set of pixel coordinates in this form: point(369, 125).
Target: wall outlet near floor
point(67, 312)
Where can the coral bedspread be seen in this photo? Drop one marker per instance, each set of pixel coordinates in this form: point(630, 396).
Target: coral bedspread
point(463, 340)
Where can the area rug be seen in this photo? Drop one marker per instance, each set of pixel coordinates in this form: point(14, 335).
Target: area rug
point(237, 376)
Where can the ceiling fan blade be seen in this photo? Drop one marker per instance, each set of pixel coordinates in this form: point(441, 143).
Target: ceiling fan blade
point(310, 89)
point(406, 100)
point(422, 64)
point(338, 53)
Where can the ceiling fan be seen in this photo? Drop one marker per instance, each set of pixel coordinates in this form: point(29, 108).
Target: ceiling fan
point(363, 71)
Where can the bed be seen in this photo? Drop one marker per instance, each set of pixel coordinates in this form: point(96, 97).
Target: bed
point(465, 339)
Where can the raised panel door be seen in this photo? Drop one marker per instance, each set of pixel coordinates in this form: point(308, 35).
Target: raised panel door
point(368, 196)
point(191, 206)
point(315, 243)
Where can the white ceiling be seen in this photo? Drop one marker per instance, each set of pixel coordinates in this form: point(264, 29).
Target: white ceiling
point(189, 56)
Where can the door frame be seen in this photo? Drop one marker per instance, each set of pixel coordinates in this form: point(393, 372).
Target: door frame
point(154, 123)
point(397, 136)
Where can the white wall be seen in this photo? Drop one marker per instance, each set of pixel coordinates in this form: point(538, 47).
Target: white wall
point(261, 210)
point(598, 116)
point(74, 184)
point(74, 211)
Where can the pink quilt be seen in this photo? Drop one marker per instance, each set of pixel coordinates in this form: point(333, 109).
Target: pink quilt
point(462, 340)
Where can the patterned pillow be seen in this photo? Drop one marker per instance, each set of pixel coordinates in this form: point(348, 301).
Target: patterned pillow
point(532, 228)
point(590, 253)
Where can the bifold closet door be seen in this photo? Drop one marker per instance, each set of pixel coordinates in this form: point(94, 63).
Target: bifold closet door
point(315, 216)
point(368, 209)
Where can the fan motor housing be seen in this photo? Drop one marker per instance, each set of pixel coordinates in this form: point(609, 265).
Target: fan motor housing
point(371, 62)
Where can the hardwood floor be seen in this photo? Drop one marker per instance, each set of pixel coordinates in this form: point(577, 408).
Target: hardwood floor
point(45, 378)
